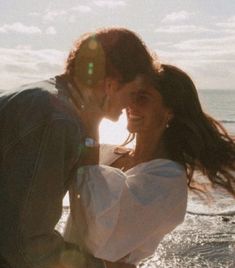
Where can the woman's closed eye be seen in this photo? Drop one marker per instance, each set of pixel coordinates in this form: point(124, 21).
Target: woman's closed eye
point(141, 98)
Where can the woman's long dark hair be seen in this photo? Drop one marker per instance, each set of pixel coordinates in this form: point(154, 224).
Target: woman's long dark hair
point(194, 138)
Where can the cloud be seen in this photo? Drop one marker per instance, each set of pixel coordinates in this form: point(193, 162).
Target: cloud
point(222, 45)
point(82, 8)
point(24, 65)
point(197, 54)
point(51, 15)
point(34, 14)
point(177, 16)
point(182, 29)
point(50, 30)
point(72, 19)
point(110, 3)
point(207, 72)
point(196, 58)
point(228, 25)
point(70, 13)
point(210, 62)
point(19, 27)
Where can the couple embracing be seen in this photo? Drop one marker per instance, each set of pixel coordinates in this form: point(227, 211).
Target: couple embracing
point(123, 201)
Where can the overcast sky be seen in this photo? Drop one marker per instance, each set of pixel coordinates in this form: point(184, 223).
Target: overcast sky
point(196, 35)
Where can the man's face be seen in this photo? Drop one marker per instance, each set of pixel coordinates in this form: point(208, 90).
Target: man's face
point(121, 96)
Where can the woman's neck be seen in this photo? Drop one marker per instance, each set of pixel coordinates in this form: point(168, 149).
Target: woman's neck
point(149, 148)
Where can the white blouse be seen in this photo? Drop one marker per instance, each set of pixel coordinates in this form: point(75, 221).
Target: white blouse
point(124, 215)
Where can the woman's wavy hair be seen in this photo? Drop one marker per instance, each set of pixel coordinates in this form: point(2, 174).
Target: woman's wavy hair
point(114, 52)
point(195, 139)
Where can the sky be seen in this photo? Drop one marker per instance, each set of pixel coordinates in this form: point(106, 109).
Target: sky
point(196, 35)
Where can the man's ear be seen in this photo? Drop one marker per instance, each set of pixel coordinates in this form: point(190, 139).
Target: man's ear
point(110, 85)
point(170, 115)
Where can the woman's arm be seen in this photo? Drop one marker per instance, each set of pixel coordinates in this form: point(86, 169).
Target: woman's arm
point(127, 213)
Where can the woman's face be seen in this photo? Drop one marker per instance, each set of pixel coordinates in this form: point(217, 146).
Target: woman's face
point(147, 112)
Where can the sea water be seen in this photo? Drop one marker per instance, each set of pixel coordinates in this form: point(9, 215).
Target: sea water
point(221, 105)
point(206, 238)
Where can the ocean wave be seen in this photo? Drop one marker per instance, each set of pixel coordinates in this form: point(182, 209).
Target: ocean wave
point(227, 121)
point(225, 213)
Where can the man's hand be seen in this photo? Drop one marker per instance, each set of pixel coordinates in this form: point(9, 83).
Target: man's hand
point(88, 109)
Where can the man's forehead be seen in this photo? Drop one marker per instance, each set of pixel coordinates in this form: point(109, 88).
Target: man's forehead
point(140, 92)
point(140, 83)
point(140, 80)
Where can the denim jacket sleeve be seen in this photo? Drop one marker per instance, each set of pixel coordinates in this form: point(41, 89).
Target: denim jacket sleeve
point(35, 171)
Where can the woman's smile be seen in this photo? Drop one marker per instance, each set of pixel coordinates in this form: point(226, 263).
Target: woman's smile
point(132, 117)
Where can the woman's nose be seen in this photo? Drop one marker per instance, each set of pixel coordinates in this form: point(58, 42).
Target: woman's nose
point(132, 108)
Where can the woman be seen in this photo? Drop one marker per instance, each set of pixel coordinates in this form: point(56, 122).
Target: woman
point(124, 211)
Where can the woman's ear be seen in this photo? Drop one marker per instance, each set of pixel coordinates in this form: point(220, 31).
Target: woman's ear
point(169, 115)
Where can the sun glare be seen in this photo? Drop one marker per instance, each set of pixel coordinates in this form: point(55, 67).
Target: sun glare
point(113, 132)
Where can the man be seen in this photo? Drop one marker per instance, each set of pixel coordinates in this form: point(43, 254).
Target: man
point(43, 138)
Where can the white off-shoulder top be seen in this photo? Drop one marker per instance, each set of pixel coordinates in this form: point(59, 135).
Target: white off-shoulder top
point(123, 216)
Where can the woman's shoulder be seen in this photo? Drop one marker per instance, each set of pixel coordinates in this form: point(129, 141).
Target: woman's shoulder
point(165, 167)
point(159, 179)
point(110, 153)
point(107, 155)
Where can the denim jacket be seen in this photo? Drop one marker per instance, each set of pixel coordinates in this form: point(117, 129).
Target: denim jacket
point(40, 143)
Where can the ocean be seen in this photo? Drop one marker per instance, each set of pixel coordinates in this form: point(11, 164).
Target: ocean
point(221, 105)
point(206, 238)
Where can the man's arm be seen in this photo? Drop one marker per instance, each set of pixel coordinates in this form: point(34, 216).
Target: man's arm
point(36, 170)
